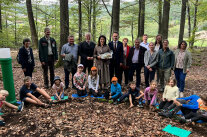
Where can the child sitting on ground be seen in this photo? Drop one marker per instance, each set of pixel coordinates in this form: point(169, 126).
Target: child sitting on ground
point(30, 92)
point(3, 95)
point(133, 94)
point(171, 92)
point(58, 88)
point(79, 81)
point(93, 82)
point(115, 90)
point(150, 94)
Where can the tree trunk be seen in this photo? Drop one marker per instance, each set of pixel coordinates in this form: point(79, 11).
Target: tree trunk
point(79, 21)
point(142, 18)
point(32, 23)
point(64, 26)
point(165, 18)
point(116, 15)
point(132, 30)
point(0, 19)
point(182, 20)
point(94, 20)
point(195, 22)
point(160, 16)
point(139, 18)
point(89, 15)
point(15, 26)
point(189, 24)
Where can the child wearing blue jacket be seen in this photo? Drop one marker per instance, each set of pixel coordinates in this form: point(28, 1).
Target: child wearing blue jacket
point(115, 90)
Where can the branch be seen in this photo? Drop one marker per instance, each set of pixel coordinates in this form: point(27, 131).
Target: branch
point(129, 6)
point(106, 8)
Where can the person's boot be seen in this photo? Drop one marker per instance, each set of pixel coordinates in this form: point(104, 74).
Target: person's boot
point(162, 112)
point(169, 114)
point(181, 94)
point(2, 123)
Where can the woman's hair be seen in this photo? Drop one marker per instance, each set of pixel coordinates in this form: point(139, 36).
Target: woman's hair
point(102, 36)
point(27, 78)
point(153, 82)
point(26, 40)
point(96, 73)
point(125, 39)
point(172, 79)
point(152, 43)
point(160, 41)
point(4, 92)
point(166, 40)
point(204, 97)
point(179, 45)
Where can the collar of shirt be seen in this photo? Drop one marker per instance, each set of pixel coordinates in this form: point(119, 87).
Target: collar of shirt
point(70, 45)
point(47, 38)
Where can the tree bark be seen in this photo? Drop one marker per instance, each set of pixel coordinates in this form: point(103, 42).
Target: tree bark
point(15, 26)
point(165, 18)
point(142, 17)
point(64, 25)
point(0, 19)
point(132, 30)
point(189, 24)
point(32, 23)
point(94, 20)
point(160, 16)
point(79, 21)
point(116, 15)
point(195, 22)
point(182, 20)
point(89, 15)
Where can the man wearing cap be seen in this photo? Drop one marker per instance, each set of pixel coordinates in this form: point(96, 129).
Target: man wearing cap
point(69, 53)
point(48, 55)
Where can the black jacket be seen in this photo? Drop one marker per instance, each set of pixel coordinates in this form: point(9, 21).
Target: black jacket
point(141, 56)
point(118, 53)
point(85, 50)
point(23, 57)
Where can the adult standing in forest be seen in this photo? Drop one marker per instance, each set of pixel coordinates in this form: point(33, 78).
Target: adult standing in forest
point(26, 58)
point(48, 55)
point(86, 49)
point(124, 67)
point(166, 61)
point(183, 60)
point(144, 43)
point(117, 59)
point(102, 64)
point(69, 53)
point(135, 61)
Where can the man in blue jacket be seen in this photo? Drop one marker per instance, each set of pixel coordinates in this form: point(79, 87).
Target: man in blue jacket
point(117, 59)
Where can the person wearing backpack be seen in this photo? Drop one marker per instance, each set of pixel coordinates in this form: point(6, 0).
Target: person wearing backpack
point(26, 58)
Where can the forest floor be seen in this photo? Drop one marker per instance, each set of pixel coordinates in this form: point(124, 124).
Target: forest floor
point(91, 117)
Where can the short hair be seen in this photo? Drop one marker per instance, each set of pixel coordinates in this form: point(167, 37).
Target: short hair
point(125, 39)
point(70, 36)
point(166, 40)
point(27, 78)
point(172, 79)
point(116, 32)
point(204, 97)
point(26, 40)
point(46, 29)
point(145, 35)
point(132, 83)
point(4, 92)
point(153, 81)
point(183, 41)
point(88, 33)
point(137, 40)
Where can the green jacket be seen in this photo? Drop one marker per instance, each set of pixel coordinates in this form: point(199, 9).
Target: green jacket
point(166, 59)
point(43, 49)
point(187, 60)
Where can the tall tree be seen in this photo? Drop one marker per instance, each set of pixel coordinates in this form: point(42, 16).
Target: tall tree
point(94, 20)
point(64, 25)
point(116, 15)
point(32, 23)
point(182, 20)
point(189, 23)
point(0, 19)
point(141, 18)
point(159, 16)
point(79, 21)
point(194, 23)
point(165, 18)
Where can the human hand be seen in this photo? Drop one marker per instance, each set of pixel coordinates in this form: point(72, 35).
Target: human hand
point(84, 88)
point(59, 98)
point(121, 64)
point(88, 58)
point(148, 67)
point(187, 71)
point(96, 91)
point(91, 58)
point(24, 69)
point(99, 57)
point(43, 63)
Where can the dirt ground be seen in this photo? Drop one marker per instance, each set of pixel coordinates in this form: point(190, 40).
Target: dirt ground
point(91, 117)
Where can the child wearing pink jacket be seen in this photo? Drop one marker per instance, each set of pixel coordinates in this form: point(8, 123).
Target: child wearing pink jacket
point(150, 94)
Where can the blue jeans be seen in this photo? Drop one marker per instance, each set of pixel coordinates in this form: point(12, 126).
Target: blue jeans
point(67, 74)
point(62, 96)
point(137, 67)
point(180, 77)
point(149, 75)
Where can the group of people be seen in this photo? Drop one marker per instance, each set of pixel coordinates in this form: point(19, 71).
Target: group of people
point(107, 62)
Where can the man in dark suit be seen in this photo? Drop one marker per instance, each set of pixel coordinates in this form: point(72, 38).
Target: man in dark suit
point(117, 59)
point(135, 61)
point(48, 55)
point(86, 49)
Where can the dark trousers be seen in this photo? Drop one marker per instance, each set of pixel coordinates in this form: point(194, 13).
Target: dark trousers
point(133, 97)
point(94, 93)
point(115, 69)
point(49, 64)
point(165, 104)
point(149, 75)
point(180, 78)
point(67, 74)
point(81, 92)
point(107, 94)
point(126, 74)
point(137, 67)
point(29, 70)
point(88, 66)
point(197, 117)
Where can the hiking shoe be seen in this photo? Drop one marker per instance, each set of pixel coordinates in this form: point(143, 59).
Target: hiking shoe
point(182, 120)
point(2, 123)
point(20, 107)
point(140, 106)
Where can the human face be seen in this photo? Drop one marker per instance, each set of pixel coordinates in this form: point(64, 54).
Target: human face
point(71, 40)
point(137, 44)
point(57, 82)
point(80, 69)
point(115, 36)
point(171, 83)
point(125, 42)
point(47, 33)
point(27, 44)
point(114, 82)
point(2, 97)
point(153, 86)
point(183, 46)
point(28, 83)
point(88, 37)
point(102, 40)
point(94, 72)
point(144, 38)
point(151, 46)
point(165, 44)
point(133, 86)
point(159, 39)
